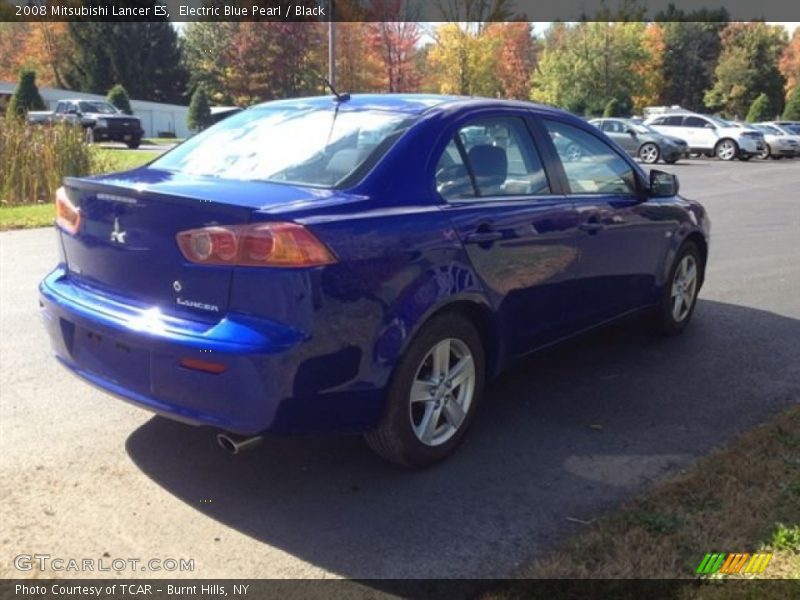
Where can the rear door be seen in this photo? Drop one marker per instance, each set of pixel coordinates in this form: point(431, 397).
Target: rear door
point(621, 134)
point(622, 236)
point(519, 233)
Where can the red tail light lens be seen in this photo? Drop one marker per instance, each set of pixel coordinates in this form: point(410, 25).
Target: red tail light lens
point(255, 245)
point(68, 216)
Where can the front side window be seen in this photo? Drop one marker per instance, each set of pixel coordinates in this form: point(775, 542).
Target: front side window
point(302, 145)
point(591, 165)
point(501, 160)
point(694, 122)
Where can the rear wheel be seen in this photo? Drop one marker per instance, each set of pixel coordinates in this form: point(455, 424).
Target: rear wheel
point(433, 394)
point(765, 153)
point(726, 150)
point(680, 291)
point(649, 153)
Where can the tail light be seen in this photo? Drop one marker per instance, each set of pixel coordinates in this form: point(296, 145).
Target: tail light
point(254, 245)
point(68, 216)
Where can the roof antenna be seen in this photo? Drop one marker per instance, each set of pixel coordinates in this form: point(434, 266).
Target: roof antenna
point(343, 97)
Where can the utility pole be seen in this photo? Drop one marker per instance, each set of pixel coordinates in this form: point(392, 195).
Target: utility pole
point(331, 46)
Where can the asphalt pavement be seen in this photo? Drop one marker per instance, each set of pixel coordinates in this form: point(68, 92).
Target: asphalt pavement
point(567, 434)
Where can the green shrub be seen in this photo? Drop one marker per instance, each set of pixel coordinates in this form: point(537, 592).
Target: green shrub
point(759, 110)
point(792, 110)
point(118, 96)
point(26, 97)
point(199, 115)
point(35, 158)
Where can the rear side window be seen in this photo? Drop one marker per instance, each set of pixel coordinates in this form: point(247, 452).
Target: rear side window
point(499, 158)
point(591, 165)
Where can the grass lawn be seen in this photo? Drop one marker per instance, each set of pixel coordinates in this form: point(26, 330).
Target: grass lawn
point(744, 498)
point(27, 216)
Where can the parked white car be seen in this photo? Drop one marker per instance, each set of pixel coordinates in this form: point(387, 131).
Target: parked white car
point(710, 135)
point(778, 144)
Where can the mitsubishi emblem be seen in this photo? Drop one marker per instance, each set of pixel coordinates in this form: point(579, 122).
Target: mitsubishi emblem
point(117, 234)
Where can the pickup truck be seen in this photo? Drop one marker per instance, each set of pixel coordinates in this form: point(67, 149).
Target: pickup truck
point(102, 121)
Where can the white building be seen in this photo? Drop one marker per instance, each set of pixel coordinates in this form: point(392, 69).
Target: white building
point(156, 117)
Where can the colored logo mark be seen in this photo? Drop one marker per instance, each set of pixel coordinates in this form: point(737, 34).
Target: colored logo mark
point(729, 564)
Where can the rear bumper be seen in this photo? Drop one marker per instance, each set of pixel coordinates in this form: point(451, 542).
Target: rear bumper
point(135, 353)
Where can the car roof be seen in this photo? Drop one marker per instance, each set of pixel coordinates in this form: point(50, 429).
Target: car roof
point(412, 104)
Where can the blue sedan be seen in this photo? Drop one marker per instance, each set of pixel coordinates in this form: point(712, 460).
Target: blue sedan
point(361, 264)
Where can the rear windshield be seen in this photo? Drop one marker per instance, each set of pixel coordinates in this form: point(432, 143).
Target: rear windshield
point(319, 147)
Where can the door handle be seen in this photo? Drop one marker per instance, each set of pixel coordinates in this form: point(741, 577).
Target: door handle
point(591, 226)
point(484, 236)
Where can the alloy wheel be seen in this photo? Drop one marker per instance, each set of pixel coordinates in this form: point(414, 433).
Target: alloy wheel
point(648, 153)
point(726, 150)
point(684, 288)
point(442, 392)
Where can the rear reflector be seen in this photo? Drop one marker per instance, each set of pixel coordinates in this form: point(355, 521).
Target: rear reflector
point(68, 217)
point(254, 245)
point(203, 365)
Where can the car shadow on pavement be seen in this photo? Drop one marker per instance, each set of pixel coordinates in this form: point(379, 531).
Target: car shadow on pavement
point(563, 436)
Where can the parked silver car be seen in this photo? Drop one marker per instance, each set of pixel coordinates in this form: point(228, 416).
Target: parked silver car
point(642, 141)
point(778, 143)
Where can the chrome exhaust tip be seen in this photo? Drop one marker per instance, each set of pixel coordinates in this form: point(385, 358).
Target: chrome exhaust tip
point(236, 444)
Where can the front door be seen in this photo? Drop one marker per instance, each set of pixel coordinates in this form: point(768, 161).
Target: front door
point(622, 237)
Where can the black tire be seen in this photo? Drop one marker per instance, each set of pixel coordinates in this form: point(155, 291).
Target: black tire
point(663, 320)
point(133, 145)
point(721, 149)
point(394, 438)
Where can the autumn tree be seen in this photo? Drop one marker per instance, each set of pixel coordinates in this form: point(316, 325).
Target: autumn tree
point(585, 65)
point(43, 46)
point(394, 45)
point(789, 63)
point(205, 44)
point(650, 70)
point(516, 59)
point(748, 66)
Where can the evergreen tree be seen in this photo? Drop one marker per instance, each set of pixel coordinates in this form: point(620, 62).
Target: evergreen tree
point(792, 110)
point(26, 97)
point(118, 96)
point(145, 57)
point(199, 115)
point(759, 110)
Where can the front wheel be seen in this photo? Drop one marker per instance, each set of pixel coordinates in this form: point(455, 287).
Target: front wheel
point(726, 150)
point(649, 153)
point(133, 145)
point(765, 153)
point(433, 394)
point(680, 291)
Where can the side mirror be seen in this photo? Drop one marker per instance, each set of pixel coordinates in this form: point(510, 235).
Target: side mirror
point(663, 184)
